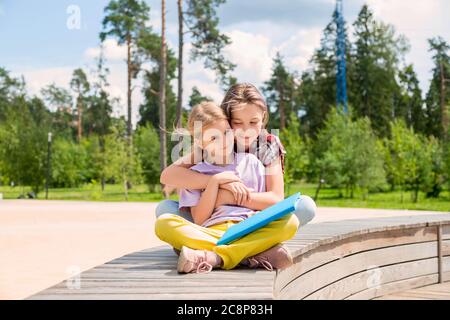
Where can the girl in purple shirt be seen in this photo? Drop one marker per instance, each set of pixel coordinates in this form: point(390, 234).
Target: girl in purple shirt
point(212, 216)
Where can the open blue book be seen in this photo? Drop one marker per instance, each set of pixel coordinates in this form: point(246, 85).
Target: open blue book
point(260, 219)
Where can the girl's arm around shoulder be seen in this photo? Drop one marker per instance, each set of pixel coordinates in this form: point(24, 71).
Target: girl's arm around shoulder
point(179, 175)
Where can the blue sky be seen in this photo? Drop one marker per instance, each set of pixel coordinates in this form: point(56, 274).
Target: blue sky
point(37, 43)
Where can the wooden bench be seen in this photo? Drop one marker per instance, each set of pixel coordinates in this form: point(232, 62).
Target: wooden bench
point(350, 259)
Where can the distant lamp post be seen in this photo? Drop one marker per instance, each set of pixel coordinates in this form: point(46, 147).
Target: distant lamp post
point(49, 157)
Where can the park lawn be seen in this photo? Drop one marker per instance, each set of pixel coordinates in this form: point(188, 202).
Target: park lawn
point(328, 197)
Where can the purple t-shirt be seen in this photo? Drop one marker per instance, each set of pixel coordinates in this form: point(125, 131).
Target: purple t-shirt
point(247, 167)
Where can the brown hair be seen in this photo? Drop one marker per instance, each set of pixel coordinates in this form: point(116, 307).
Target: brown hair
point(244, 93)
point(206, 112)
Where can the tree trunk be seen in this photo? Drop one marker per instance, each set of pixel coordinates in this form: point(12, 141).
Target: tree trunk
point(102, 151)
point(129, 70)
point(319, 186)
point(80, 111)
point(443, 106)
point(180, 63)
point(281, 108)
point(162, 91)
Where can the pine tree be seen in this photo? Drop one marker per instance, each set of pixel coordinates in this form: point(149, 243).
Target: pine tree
point(80, 85)
point(197, 97)
point(376, 55)
point(280, 91)
point(125, 20)
point(317, 90)
point(208, 42)
point(438, 96)
point(410, 107)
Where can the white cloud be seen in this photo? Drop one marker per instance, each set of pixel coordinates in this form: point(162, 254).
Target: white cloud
point(299, 48)
point(112, 51)
point(252, 53)
point(38, 78)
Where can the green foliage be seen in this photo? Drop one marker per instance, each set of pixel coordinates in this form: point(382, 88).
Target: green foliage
point(147, 143)
point(70, 163)
point(438, 97)
point(149, 109)
point(348, 154)
point(410, 104)
point(196, 97)
point(123, 163)
point(297, 158)
point(23, 144)
point(376, 54)
point(317, 91)
point(280, 91)
point(124, 19)
point(414, 162)
point(207, 40)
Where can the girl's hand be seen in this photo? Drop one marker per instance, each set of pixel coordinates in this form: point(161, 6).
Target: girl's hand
point(240, 192)
point(225, 177)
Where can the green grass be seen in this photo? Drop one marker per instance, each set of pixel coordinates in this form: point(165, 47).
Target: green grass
point(328, 197)
point(112, 193)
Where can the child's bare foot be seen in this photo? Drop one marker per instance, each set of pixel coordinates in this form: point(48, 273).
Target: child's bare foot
point(277, 257)
point(197, 261)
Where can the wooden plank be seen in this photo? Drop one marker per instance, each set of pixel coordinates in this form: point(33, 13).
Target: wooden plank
point(373, 278)
point(439, 287)
point(394, 287)
point(106, 290)
point(320, 277)
point(446, 247)
point(446, 232)
point(439, 253)
point(337, 250)
point(133, 296)
point(429, 294)
point(151, 273)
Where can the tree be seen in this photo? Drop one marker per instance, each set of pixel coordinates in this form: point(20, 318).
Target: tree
point(376, 54)
point(409, 159)
point(296, 160)
point(125, 20)
point(23, 142)
point(317, 89)
point(197, 97)
point(207, 43)
point(280, 92)
point(70, 165)
point(147, 144)
point(162, 92)
point(438, 174)
point(150, 47)
point(10, 88)
point(410, 106)
point(80, 85)
point(59, 102)
point(438, 97)
point(343, 161)
point(122, 164)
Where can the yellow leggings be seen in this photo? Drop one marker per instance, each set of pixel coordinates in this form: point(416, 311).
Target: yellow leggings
point(178, 232)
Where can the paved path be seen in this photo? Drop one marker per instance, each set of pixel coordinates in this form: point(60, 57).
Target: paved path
point(45, 242)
